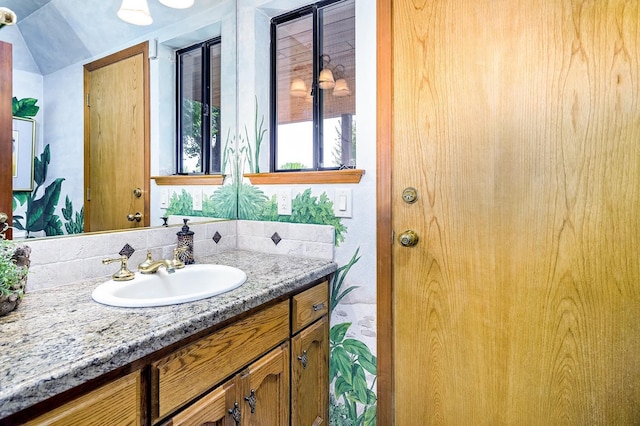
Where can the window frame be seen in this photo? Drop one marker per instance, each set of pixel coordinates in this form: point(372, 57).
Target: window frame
point(317, 104)
point(207, 166)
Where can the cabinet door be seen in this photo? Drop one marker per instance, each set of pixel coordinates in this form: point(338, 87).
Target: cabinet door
point(265, 389)
point(310, 375)
point(118, 402)
point(216, 408)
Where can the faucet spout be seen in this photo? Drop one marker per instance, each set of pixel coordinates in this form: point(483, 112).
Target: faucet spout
point(153, 267)
point(149, 266)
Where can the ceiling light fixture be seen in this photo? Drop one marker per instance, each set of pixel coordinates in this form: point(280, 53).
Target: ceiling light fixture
point(137, 11)
point(7, 17)
point(177, 4)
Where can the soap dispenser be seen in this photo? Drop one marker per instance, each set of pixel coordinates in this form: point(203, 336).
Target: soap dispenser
point(185, 244)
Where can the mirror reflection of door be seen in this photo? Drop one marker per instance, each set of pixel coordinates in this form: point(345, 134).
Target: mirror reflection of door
point(6, 157)
point(117, 141)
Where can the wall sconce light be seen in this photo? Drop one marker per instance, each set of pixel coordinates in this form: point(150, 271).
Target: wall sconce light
point(329, 78)
point(298, 88)
point(341, 87)
point(137, 11)
point(325, 80)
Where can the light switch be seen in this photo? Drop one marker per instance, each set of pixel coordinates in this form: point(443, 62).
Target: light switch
point(342, 204)
point(197, 200)
point(164, 198)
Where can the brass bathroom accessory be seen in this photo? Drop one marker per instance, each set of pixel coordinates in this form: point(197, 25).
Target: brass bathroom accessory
point(124, 274)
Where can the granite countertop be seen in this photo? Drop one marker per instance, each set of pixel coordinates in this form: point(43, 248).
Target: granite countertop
point(60, 338)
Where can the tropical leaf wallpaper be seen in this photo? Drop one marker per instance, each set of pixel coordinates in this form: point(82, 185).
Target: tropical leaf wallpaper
point(34, 212)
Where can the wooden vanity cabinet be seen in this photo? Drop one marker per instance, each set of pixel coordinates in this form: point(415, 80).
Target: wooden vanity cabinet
point(287, 385)
point(187, 373)
point(259, 395)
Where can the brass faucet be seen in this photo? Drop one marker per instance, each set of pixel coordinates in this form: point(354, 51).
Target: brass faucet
point(124, 274)
point(149, 266)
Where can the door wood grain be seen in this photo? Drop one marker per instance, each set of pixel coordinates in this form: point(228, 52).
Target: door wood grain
point(519, 124)
point(117, 140)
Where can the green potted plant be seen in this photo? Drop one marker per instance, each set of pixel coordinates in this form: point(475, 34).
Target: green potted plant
point(14, 266)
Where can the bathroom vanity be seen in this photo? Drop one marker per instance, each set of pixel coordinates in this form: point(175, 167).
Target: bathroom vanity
point(255, 355)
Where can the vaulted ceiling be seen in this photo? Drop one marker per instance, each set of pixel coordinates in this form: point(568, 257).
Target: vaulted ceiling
point(59, 33)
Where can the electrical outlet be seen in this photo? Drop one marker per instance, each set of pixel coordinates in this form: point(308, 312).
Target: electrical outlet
point(283, 198)
point(197, 200)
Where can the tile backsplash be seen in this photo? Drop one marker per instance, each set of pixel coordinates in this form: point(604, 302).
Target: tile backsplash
point(58, 261)
point(296, 239)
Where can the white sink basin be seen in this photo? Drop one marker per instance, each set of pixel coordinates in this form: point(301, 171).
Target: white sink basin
point(193, 282)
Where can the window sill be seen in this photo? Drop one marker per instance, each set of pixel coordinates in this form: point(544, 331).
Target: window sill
point(189, 180)
point(326, 176)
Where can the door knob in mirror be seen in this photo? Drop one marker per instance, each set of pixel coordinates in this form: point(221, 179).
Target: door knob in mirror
point(137, 217)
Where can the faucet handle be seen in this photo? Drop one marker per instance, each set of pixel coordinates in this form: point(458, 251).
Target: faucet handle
point(177, 263)
point(124, 274)
point(147, 262)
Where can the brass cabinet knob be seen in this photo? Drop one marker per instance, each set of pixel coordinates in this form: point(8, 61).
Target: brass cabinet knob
point(408, 238)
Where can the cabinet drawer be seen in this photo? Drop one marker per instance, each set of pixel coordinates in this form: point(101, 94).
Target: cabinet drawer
point(118, 402)
point(196, 368)
point(309, 305)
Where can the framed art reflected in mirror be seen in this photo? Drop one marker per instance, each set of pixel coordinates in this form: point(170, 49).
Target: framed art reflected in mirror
point(23, 142)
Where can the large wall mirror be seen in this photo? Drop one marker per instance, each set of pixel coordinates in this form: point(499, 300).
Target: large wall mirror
point(52, 42)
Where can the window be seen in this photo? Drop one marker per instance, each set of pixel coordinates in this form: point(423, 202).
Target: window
point(313, 116)
point(198, 109)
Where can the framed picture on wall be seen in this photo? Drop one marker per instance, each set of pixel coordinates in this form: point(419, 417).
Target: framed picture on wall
point(24, 140)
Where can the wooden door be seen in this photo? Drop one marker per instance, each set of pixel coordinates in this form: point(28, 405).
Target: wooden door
point(265, 389)
point(309, 375)
point(518, 122)
point(6, 144)
point(117, 140)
